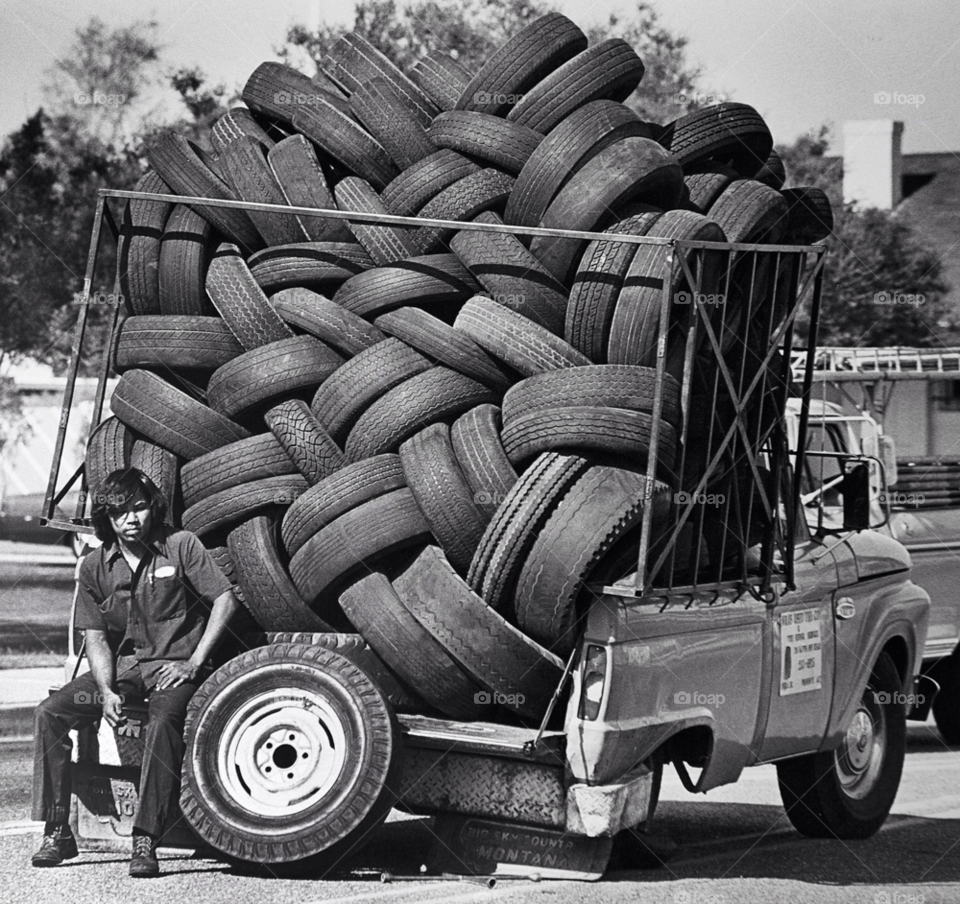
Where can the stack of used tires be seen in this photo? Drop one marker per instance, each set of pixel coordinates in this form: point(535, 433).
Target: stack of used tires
point(430, 437)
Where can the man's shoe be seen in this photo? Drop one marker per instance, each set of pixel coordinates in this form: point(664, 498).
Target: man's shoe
point(58, 845)
point(143, 864)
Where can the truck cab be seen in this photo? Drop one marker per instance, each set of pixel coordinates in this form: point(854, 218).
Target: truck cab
point(930, 534)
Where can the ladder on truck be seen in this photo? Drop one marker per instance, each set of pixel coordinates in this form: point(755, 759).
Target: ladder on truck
point(933, 479)
point(839, 365)
point(876, 371)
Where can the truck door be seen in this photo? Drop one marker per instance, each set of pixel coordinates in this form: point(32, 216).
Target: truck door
point(802, 657)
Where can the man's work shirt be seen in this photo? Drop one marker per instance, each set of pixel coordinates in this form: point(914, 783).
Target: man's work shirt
point(158, 614)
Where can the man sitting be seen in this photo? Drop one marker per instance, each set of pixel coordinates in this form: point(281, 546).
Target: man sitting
point(153, 604)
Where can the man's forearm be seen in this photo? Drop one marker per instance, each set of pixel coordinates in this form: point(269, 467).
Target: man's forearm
point(223, 608)
point(101, 662)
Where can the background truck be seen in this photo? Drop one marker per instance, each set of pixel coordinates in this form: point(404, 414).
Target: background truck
point(878, 402)
point(698, 621)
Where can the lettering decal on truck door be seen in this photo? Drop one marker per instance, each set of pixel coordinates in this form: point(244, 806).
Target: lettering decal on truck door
point(801, 654)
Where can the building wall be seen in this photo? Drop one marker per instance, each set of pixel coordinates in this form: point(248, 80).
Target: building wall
point(945, 438)
point(25, 464)
point(908, 417)
point(872, 163)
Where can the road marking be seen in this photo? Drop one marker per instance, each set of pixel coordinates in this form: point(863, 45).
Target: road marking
point(549, 886)
point(941, 808)
point(19, 827)
point(19, 558)
point(382, 893)
point(421, 890)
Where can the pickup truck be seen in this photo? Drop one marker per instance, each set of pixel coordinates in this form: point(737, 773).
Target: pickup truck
point(926, 523)
point(724, 631)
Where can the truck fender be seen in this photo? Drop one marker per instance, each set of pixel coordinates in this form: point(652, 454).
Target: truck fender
point(900, 640)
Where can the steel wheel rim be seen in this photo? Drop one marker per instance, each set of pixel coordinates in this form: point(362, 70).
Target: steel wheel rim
point(860, 757)
point(281, 752)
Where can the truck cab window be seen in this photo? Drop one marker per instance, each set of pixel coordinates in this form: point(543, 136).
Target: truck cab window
point(824, 471)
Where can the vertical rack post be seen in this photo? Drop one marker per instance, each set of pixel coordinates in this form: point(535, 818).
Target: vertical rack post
point(74, 366)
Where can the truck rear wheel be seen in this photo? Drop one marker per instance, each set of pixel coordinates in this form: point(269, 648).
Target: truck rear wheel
point(291, 754)
point(946, 705)
point(848, 792)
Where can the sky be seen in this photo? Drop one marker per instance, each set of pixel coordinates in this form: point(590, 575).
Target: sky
point(801, 63)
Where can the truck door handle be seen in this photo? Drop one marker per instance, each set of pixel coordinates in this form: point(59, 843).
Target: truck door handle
point(845, 608)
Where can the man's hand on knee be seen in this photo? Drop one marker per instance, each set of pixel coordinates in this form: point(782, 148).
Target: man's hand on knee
point(112, 709)
point(173, 674)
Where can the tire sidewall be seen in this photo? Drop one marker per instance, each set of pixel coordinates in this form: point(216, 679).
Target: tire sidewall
point(839, 809)
point(365, 719)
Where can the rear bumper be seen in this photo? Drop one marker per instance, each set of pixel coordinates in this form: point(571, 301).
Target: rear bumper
point(525, 793)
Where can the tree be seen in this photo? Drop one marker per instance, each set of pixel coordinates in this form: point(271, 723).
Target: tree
point(203, 103)
point(808, 163)
point(882, 286)
point(468, 31)
point(104, 81)
point(49, 176)
point(669, 86)
point(472, 30)
point(50, 171)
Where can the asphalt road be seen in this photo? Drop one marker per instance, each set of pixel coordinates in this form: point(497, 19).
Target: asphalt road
point(736, 845)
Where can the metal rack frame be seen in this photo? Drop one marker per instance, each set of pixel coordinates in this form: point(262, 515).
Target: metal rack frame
point(801, 266)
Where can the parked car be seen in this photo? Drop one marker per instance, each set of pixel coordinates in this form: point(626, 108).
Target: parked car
point(20, 521)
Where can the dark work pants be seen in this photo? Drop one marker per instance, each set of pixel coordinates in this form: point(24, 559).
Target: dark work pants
point(78, 705)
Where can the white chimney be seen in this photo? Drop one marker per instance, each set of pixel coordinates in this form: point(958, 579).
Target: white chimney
point(872, 163)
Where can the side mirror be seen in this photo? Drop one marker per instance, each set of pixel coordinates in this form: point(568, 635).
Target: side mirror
point(888, 455)
point(856, 496)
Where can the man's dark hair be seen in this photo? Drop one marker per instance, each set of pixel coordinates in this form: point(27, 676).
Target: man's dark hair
point(117, 489)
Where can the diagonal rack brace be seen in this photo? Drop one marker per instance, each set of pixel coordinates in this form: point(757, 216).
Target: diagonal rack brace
point(675, 259)
point(740, 397)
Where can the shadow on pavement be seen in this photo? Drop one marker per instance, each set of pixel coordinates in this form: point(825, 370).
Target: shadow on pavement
point(396, 847)
point(724, 840)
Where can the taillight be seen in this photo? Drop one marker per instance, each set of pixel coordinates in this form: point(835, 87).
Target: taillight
point(592, 682)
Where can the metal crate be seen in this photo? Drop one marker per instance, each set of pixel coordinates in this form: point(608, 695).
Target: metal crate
point(729, 341)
